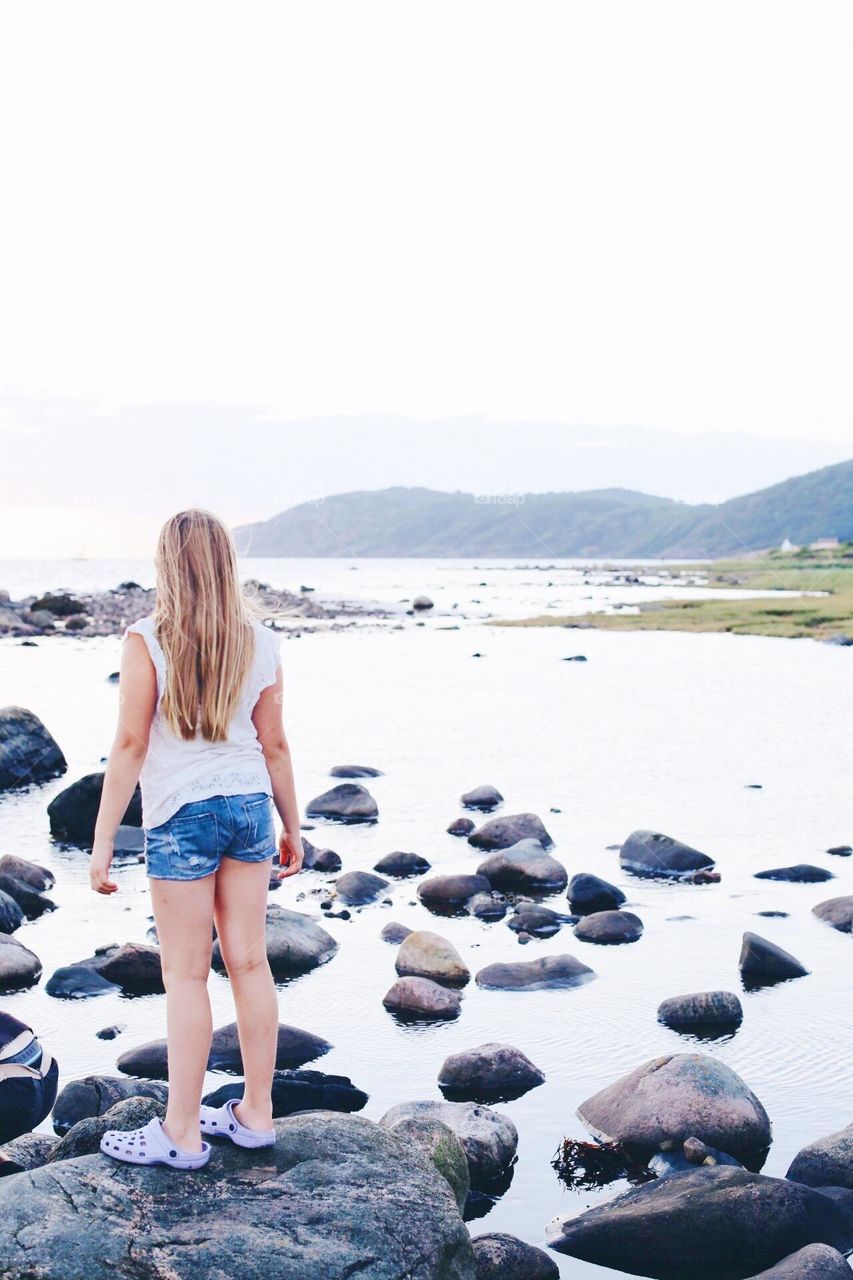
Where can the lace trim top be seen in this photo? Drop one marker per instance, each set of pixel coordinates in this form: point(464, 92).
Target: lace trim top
point(177, 770)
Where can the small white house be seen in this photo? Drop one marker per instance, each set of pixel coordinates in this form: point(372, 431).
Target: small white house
point(787, 545)
point(824, 544)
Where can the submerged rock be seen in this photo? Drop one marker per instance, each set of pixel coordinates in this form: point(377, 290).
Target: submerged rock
point(460, 827)
point(319, 859)
point(525, 866)
point(348, 802)
point(37, 877)
point(30, 900)
point(299, 1090)
point(422, 998)
point(359, 887)
point(828, 1162)
point(28, 753)
point(73, 812)
point(648, 853)
point(294, 1047)
point(484, 798)
point(503, 1257)
point(802, 873)
point(540, 922)
point(424, 954)
point(609, 928)
point(503, 832)
point(815, 1262)
point(535, 975)
point(762, 961)
point(451, 891)
point(836, 911)
point(19, 967)
point(354, 771)
point(701, 1011)
point(492, 1072)
point(402, 864)
point(395, 932)
point(295, 943)
point(134, 967)
point(11, 915)
point(487, 906)
point(489, 1137)
point(588, 893)
point(78, 982)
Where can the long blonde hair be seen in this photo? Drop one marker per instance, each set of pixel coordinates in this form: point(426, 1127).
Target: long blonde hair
point(203, 622)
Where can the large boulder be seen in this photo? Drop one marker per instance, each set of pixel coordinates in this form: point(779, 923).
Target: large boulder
point(648, 853)
point(348, 802)
point(27, 751)
point(424, 954)
point(680, 1096)
point(415, 998)
point(490, 1073)
point(838, 912)
point(535, 975)
point(609, 928)
point(503, 1257)
point(295, 943)
point(815, 1262)
point(489, 1137)
point(718, 1223)
point(19, 967)
point(293, 1048)
point(828, 1162)
point(92, 1096)
point(763, 962)
point(524, 867)
point(702, 1011)
point(73, 812)
point(338, 1196)
point(589, 893)
point(509, 829)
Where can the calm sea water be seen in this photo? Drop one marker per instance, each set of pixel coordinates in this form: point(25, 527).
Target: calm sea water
point(662, 731)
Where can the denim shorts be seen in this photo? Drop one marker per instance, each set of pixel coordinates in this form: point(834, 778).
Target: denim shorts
point(192, 842)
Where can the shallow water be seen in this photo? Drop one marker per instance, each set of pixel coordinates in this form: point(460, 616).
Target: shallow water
point(662, 731)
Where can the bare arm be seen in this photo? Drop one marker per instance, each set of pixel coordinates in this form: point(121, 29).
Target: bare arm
point(268, 720)
point(137, 694)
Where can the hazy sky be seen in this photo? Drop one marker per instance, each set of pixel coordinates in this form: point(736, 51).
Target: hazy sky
point(630, 221)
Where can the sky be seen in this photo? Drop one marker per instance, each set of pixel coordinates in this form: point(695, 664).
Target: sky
point(253, 254)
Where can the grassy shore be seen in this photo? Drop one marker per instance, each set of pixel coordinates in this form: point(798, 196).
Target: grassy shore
point(816, 616)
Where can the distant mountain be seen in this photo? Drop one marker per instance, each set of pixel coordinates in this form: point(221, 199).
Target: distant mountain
point(601, 522)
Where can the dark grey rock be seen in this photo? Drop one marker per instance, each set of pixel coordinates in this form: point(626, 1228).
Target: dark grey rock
point(402, 864)
point(588, 893)
point(535, 975)
point(828, 1162)
point(802, 873)
point(524, 866)
point(424, 954)
point(841, 850)
point(11, 915)
point(680, 1096)
point(489, 1137)
point(299, 1090)
point(338, 1196)
point(422, 602)
point(294, 1048)
point(443, 1148)
point(609, 928)
point(540, 922)
point(509, 829)
point(319, 859)
point(28, 753)
point(19, 967)
point(394, 932)
point(764, 962)
point(648, 853)
point(295, 943)
point(32, 903)
point(484, 798)
point(815, 1262)
point(110, 1033)
point(836, 911)
point(79, 982)
point(451, 891)
point(461, 827)
point(84, 1137)
point(359, 887)
point(73, 812)
point(489, 1073)
point(30, 1150)
point(37, 877)
point(502, 1257)
point(348, 802)
point(700, 1010)
point(487, 906)
point(414, 997)
point(93, 1095)
point(354, 771)
point(134, 967)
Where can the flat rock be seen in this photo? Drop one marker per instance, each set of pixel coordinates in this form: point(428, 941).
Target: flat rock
point(836, 911)
point(715, 1224)
point(589, 893)
point(815, 1262)
point(503, 1257)
point(401, 863)
point(535, 975)
point(509, 829)
point(338, 1196)
point(359, 887)
point(94, 1095)
point(484, 798)
point(524, 866)
point(762, 961)
point(348, 802)
point(451, 891)
point(424, 954)
point(828, 1162)
point(422, 998)
point(73, 812)
point(295, 943)
point(489, 1073)
point(680, 1096)
point(299, 1090)
point(649, 853)
point(489, 1137)
point(79, 982)
point(802, 873)
point(700, 1010)
point(28, 753)
point(609, 928)
point(19, 967)
point(294, 1048)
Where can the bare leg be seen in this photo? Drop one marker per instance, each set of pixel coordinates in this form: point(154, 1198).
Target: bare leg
point(240, 911)
point(183, 911)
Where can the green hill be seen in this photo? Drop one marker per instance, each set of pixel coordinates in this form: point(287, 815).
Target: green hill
point(601, 522)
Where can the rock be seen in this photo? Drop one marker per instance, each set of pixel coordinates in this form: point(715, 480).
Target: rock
point(442, 1147)
point(535, 975)
point(841, 850)
point(347, 803)
point(451, 891)
point(609, 928)
point(299, 1090)
point(295, 943)
point(525, 866)
point(802, 873)
point(110, 1033)
point(576, 657)
point(79, 982)
point(680, 1096)
point(503, 832)
point(588, 893)
point(424, 954)
point(815, 1262)
point(84, 1137)
point(828, 1162)
point(648, 853)
point(59, 603)
point(694, 1153)
point(698, 1152)
point(460, 827)
point(94, 1095)
point(763, 962)
point(501, 1257)
point(28, 753)
point(319, 859)
point(73, 812)
point(11, 915)
point(402, 864)
point(19, 967)
point(836, 911)
point(490, 1073)
point(487, 906)
point(717, 1222)
point(339, 1196)
point(422, 602)
point(134, 967)
point(484, 798)
point(359, 887)
point(38, 878)
point(423, 998)
point(539, 921)
point(32, 903)
point(294, 1047)
point(702, 1011)
point(354, 771)
point(395, 932)
point(30, 1150)
point(489, 1137)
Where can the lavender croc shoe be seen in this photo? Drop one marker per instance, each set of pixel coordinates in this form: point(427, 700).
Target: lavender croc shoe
point(150, 1145)
point(222, 1122)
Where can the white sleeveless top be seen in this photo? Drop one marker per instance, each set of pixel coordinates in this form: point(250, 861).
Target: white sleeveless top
point(177, 770)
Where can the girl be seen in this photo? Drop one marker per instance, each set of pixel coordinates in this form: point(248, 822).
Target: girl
point(200, 726)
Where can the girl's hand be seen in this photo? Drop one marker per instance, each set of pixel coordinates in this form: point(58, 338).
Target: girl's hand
point(290, 854)
point(99, 869)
